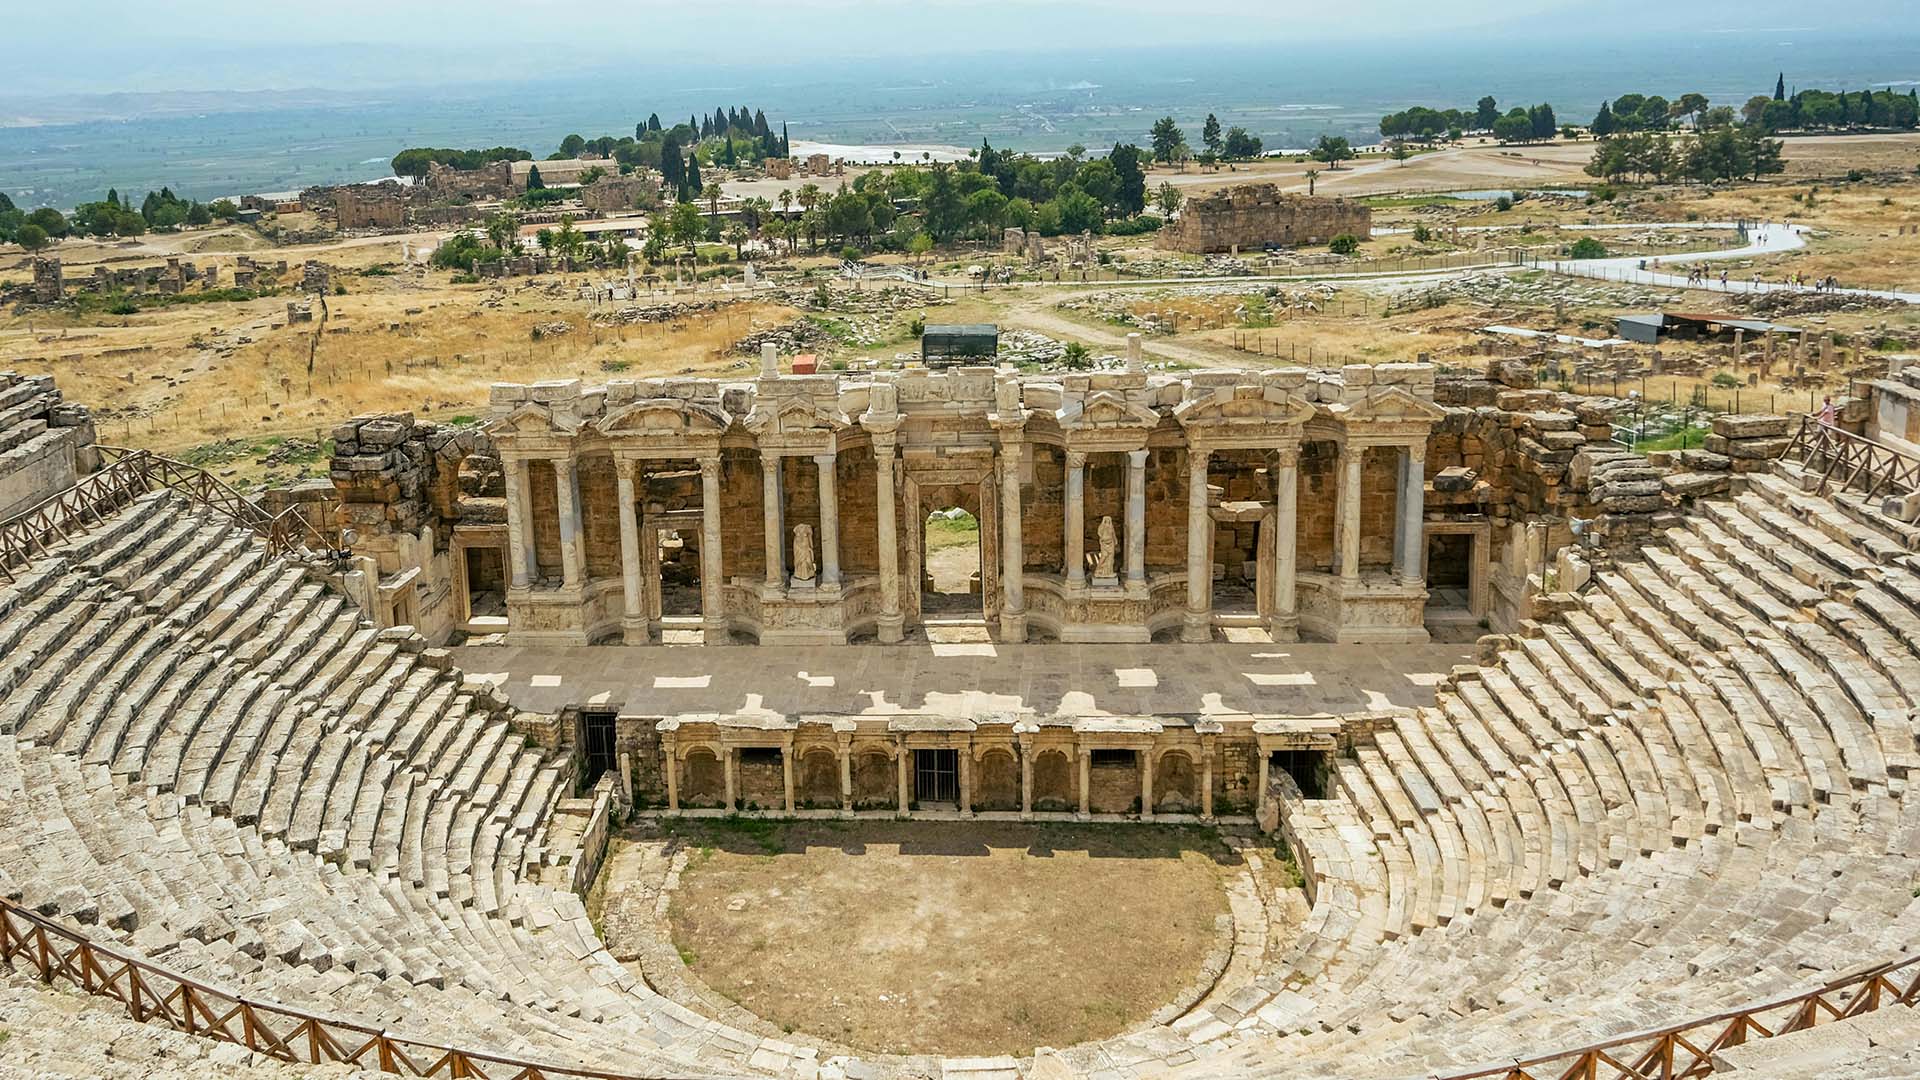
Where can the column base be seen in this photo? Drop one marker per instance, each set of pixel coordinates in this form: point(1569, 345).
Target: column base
point(715, 632)
point(635, 632)
point(1013, 626)
point(1284, 628)
point(1197, 629)
point(891, 629)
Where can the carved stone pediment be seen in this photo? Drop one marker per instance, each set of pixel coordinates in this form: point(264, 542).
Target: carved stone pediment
point(1390, 404)
point(1229, 408)
point(530, 419)
point(665, 417)
point(794, 416)
point(1105, 410)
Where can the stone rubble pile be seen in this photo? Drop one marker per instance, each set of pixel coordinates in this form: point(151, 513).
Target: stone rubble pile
point(1748, 442)
point(543, 331)
point(1507, 290)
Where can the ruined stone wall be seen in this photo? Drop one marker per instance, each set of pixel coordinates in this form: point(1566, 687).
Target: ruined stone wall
point(46, 444)
point(487, 182)
point(369, 206)
point(1253, 216)
point(617, 193)
point(49, 285)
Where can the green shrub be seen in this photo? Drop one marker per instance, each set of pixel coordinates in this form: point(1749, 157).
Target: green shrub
point(1422, 234)
point(1344, 244)
point(1587, 248)
point(1503, 204)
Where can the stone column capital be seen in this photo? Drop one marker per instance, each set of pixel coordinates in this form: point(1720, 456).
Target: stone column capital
point(709, 467)
point(827, 459)
point(1417, 451)
point(1197, 456)
point(771, 453)
point(1286, 457)
point(1076, 459)
point(1137, 458)
point(626, 467)
point(884, 444)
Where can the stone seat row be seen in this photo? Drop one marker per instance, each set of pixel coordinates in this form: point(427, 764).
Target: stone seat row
point(1689, 784)
point(277, 794)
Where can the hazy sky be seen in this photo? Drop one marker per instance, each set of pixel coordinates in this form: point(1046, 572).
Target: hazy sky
point(138, 45)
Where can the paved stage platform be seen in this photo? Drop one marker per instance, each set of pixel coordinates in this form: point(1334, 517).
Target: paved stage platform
point(969, 679)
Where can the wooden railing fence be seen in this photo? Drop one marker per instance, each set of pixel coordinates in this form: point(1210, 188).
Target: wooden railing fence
point(1851, 461)
point(152, 994)
point(124, 476)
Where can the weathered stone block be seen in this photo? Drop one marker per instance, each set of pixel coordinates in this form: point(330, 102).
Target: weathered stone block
point(1752, 426)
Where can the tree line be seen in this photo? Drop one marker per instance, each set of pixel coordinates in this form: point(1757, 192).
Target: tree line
point(1719, 152)
point(160, 211)
point(1170, 146)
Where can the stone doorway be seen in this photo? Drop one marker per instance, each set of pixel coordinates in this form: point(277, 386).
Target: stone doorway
point(1308, 768)
point(596, 746)
point(936, 778)
point(950, 583)
point(486, 584)
point(1450, 571)
point(679, 554)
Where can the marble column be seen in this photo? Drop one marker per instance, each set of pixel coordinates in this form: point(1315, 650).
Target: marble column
point(773, 510)
point(1206, 782)
point(1347, 513)
point(1026, 783)
point(713, 621)
point(903, 758)
point(966, 781)
point(1075, 541)
point(520, 554)
point(1086, 781)
point(889, 622)
point(1266, 767)
point(1284, 625)
point(1145, 758)
point(635, 620)
point(829, 519)
point(1013, 611)
point(1137, 517)
point(786, 771)
point(567, 483)
point(673, 780)
point(846, 776)
point(1411, 531)
point(1198, 627)
point(730, 766)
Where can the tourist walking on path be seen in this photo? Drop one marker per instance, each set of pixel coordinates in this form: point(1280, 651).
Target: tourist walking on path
point(1829, 416)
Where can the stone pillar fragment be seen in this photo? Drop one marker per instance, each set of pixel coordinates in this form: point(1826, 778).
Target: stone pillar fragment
point(1075, 542)
point(1198, 626)
point(635, 630)
point(520, 554)
point(1347, 512)
point(567, 483)
point(773, 509)
point(1013, 611)
point(889, 628)
point(1284, 624)
point(1137, 517)
point(829, 520)
point(1411, 528)
point(713, 621)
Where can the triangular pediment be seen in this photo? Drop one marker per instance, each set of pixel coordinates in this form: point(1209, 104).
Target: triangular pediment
point(529, 418)
point(1390, 404)
point(793, 416)
point(663, 416)
point(1104, 409)
point(1235, 406)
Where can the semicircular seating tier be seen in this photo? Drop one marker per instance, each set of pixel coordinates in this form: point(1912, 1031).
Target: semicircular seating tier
point(1683, 791)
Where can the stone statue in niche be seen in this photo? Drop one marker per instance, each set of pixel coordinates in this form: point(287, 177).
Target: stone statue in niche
point(804, 568)
point(1103, 558)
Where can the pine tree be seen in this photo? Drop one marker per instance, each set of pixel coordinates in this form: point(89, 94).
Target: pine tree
point(1210, 133)
point(1603, 122)
point(1780, 87)
point(113, 196)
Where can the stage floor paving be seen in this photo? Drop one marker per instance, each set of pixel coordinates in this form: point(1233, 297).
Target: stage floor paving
point(969, 679)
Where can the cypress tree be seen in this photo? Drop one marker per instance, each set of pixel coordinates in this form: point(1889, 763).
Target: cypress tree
point(760, 123)
point(534, 183)
point(693, 174)
point(1780, 87)
point(786, 144)
point(653, 121)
